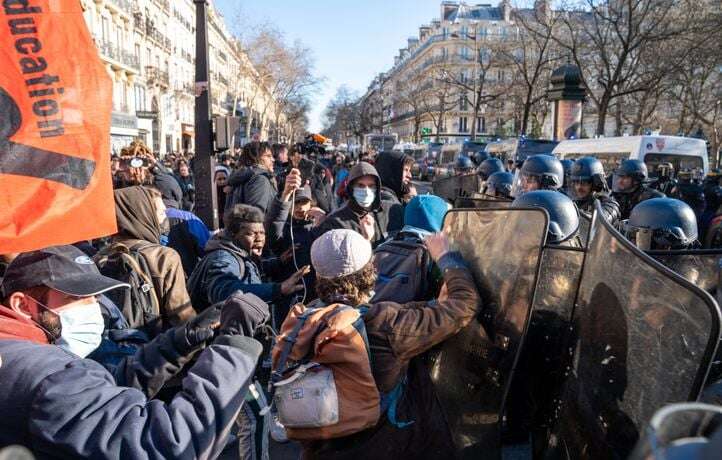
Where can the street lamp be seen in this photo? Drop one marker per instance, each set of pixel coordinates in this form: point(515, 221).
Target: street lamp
point(204, 164)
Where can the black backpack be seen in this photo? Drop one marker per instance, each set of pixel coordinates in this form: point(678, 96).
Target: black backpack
point(403, 265)
point(139, 304)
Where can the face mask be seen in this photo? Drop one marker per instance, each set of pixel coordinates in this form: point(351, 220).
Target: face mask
point(81, 328)
point(364, 196)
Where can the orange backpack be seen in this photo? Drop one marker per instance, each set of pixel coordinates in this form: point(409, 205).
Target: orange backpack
point(323, 385)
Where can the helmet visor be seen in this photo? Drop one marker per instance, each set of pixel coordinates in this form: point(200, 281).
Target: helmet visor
point(623, 183)
point(524, 183)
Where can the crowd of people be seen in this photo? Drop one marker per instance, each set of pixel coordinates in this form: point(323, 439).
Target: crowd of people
point(330, 278)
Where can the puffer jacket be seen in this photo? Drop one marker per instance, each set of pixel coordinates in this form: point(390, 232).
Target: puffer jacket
point(63, 406)
point(253, 186)
point(227, 268)
point(398, 335)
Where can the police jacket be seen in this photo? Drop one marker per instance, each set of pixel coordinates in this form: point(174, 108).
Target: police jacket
point(627, 201)
point(610, 207)
point(398, 335)
point(61, 406)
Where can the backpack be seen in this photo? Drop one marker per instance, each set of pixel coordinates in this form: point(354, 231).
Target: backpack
point(323, 386)
point(403, 266)
point(139, 304)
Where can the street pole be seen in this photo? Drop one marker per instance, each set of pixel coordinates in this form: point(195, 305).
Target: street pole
point(204, 164)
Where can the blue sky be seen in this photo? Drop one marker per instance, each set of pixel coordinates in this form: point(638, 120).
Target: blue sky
point(352, 40)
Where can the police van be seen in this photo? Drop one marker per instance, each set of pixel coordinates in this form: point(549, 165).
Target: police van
point(683, 153)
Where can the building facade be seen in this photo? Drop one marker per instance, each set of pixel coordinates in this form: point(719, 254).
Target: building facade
point(148, 48)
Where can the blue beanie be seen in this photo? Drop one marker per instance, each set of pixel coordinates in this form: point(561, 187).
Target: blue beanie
point(426, 212)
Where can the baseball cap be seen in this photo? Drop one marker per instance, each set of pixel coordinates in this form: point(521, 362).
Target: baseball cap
point(303, 193)
point(64, 268)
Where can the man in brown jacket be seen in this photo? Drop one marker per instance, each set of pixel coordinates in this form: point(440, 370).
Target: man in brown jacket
point(140, 214)
point(397, 335)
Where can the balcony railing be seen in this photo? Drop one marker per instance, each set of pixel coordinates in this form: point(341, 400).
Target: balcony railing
point(118, 54)
point(155, 76)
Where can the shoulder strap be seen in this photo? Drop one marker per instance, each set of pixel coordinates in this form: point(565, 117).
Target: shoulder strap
point(289, 341)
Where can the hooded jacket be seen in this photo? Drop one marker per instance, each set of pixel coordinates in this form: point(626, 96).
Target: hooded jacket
point(349, 215)
point(390, 166)
point(227, 268)
point(254, 186)
point(137, 226)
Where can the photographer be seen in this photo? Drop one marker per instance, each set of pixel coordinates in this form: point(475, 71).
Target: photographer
point(254, 185)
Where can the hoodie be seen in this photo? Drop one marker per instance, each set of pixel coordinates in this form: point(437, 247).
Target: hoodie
point(390, 167)
point(349, 215)
point(14, 326)
point(227, 268)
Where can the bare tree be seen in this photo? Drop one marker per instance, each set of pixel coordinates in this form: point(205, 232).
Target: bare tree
point(441, 96)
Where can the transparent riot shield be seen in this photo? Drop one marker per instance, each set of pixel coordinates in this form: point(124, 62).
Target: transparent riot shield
point(479, 201)
point(702, 268)
point(472, 371)
point(452, 187)
point(643, 337)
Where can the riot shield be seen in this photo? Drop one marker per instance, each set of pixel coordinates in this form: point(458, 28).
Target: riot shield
point(450, 188)
point(480, 201)
point(472, 371)
point(643, 337)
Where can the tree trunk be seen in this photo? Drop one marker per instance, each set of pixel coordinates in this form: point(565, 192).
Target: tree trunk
point(602, 110)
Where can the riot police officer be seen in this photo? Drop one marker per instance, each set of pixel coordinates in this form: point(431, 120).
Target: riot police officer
point(480, 157)
point(498, 185)
point(463, 165)
point(563, 215)
point(628, 186)
point(661, 224)
point(539, 172)
point(588, 184)
point(489, 167)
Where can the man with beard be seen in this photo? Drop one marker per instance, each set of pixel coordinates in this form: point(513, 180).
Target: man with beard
point(394, 169)
point(65, 406)
point(233, 262)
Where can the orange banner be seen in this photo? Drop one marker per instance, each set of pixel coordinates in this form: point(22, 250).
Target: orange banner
point(55, 104)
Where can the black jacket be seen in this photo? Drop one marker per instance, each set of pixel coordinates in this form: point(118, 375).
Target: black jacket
point(349, 215)
point(610, 207)
point(390, 167)
point(253, 186)
point(627, 201)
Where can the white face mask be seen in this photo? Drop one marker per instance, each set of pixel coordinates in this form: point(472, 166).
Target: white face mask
point(364, 196)
point(81, 328)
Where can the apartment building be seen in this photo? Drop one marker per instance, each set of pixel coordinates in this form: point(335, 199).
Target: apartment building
point(148, 48)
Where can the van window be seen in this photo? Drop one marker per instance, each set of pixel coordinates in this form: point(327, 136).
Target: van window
point(610, 161)
point(679, 162)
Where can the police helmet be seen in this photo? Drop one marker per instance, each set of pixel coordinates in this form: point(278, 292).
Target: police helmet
point(567, 167)
point(635, 169)
point(539, 172)
point(661, 223)
point(563, 214)
point(481, 156)
point(499, 185)
point(588, 170)
point(463, 164)
point(489, 167)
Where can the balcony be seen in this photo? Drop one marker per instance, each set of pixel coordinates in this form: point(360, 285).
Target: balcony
point(118, 57)
point(155, 76)
point(125, 5)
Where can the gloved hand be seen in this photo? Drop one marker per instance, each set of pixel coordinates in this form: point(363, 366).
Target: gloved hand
point(241, 314)
point(198, 330)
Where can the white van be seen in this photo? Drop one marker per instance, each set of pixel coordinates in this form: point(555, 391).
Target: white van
point(683, 152)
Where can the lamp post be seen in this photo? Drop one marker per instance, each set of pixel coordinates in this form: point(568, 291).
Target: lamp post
point(566, 96)
point(204, 164)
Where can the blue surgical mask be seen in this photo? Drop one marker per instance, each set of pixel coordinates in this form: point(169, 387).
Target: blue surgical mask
point(81, 328)
point(364, 196)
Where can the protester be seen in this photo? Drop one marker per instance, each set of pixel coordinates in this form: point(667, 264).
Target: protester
point(187, 234)
point(233, 262)
point(255, 185)
point(280, 162)
point(220, 179)
point(394, 169)
point(296, 160)
point(363, 212)
point(414, 425)
point(141, 218)
point(185, 179)
point(322, 189)
point(65, 406)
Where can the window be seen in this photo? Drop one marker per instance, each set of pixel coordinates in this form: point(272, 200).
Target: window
point(464, 32)
point(463, 103)
point(445, 32)
point(465, 52)
point(105, 29)
point(480, 124)
point(463, 125)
